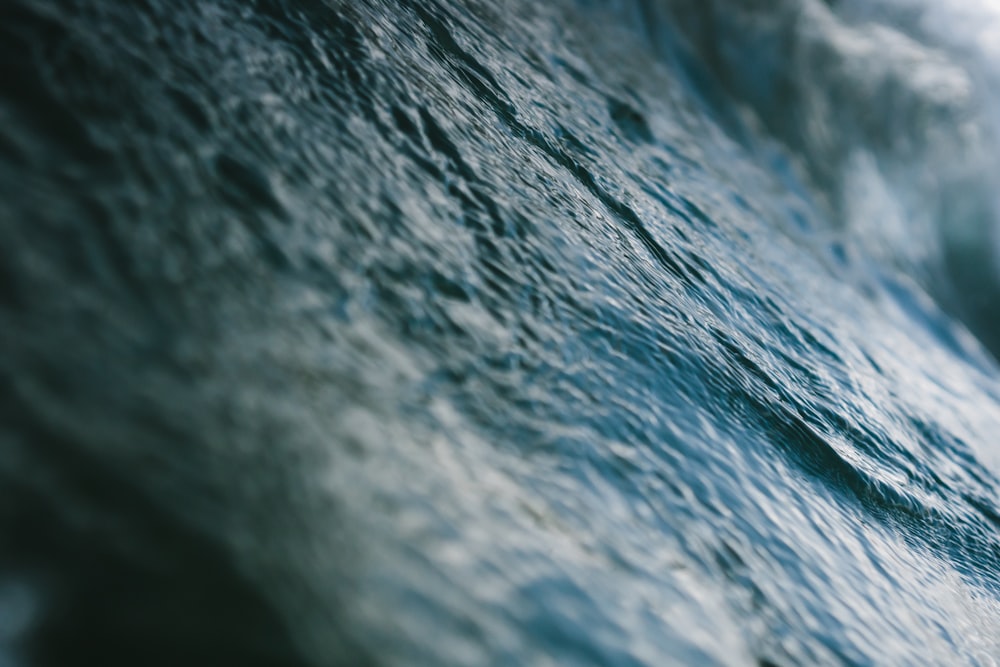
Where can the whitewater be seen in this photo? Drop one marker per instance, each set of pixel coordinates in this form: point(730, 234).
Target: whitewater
point(454, 332)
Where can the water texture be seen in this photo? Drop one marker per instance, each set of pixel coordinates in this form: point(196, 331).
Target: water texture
point(453, 332)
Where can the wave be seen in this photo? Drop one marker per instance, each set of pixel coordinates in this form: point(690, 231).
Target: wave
point(448, 332)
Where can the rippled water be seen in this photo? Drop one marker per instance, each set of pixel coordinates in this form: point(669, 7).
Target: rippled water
point(466, 333)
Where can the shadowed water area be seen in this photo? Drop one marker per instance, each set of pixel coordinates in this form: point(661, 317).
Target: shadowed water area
point(454, 332)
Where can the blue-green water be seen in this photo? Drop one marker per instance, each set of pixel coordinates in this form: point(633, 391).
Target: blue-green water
point(464, 333)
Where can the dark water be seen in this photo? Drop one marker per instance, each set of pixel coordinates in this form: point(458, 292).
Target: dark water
point(470, 333)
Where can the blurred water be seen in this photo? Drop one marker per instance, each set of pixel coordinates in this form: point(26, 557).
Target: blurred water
point(464, 333)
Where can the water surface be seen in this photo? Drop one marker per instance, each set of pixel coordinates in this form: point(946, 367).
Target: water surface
point(466, 333)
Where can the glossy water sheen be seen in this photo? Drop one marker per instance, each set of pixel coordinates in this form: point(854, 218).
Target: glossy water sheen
point(472, 333)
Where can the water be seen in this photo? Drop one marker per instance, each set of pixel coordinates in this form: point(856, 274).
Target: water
point(465, 333)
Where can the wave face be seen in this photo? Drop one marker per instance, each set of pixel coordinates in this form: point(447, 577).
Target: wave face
point(452, 332)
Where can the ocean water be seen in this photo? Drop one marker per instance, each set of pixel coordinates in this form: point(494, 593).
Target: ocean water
point(454, 332)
